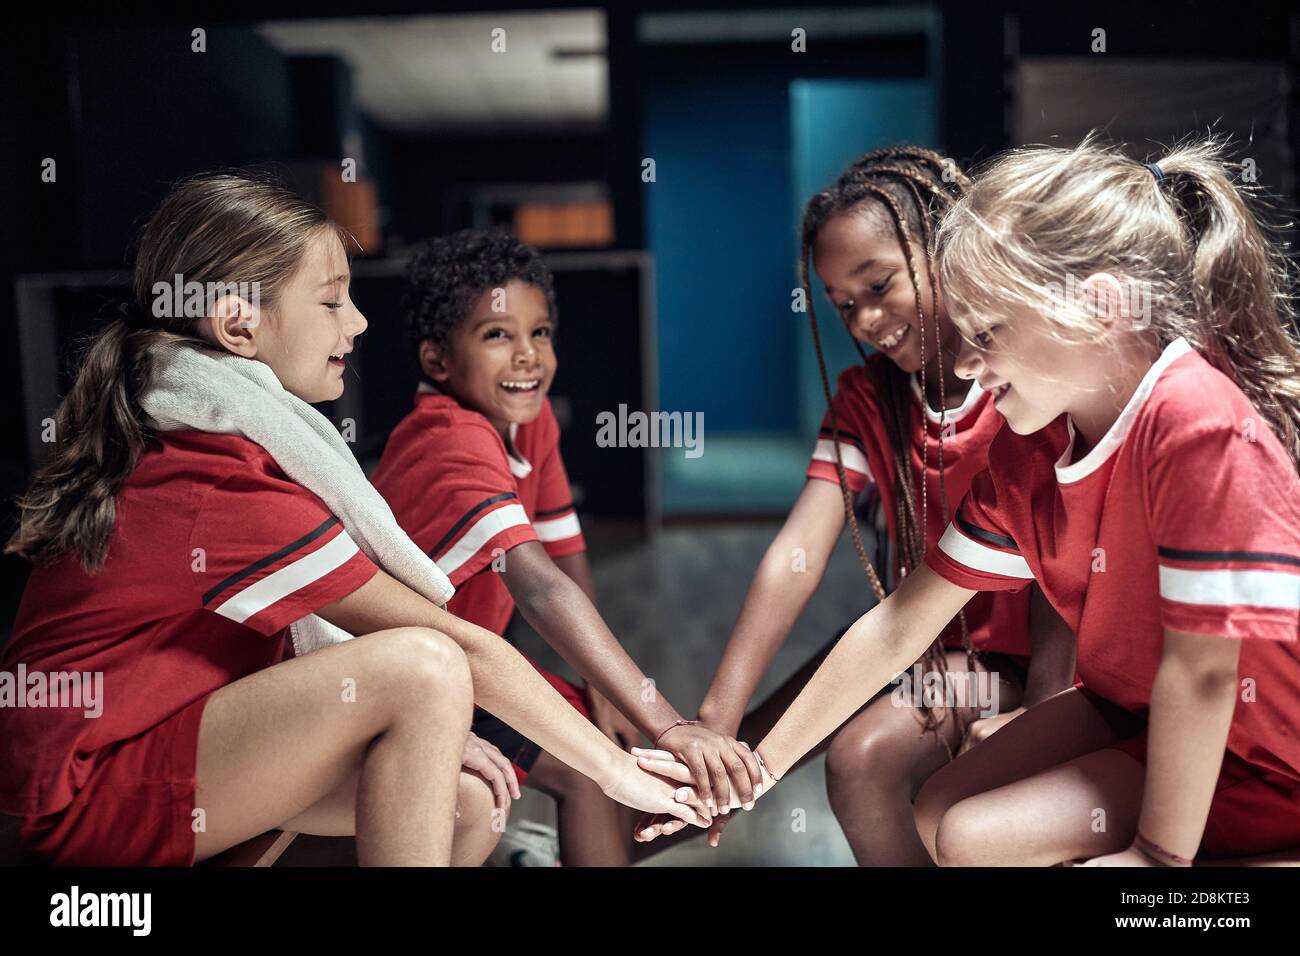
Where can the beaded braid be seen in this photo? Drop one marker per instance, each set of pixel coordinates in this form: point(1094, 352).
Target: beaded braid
point(864, 181)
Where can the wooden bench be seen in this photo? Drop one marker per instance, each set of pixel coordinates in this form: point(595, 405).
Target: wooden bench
point(261, 850)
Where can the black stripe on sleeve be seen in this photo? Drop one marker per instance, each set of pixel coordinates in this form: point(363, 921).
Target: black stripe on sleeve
point(1183, 554)
point(552, 512)
point(1001, 540)
point(271, 558)
point(829, 433)
point(455, 529)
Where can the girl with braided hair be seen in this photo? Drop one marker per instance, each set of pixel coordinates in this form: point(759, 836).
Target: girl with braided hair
point(1134, 324)
point(907, 435)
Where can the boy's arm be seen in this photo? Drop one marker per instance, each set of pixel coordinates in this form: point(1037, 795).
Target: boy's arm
point(578, 569)
point(613, 723)
point(788, 576)
point(563, 615)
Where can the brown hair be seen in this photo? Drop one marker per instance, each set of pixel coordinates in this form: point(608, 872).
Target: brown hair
point(214, 228)
point(1193, 238)
point(911, 188)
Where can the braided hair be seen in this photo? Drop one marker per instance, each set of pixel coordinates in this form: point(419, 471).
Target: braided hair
point(913, 186)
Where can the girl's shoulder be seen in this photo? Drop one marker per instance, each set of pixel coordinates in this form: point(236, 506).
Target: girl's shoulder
point(204, 453)
point(179, 469)
point(1198, 421)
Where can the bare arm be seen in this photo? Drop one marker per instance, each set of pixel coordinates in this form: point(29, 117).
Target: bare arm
point(562, 614)
point(578, 569)
point(1192, 703)
point(504, 682)
point(789, 575)
point(881, 644)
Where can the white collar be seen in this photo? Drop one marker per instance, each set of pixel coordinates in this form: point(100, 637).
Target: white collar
point(954, 414)
point(520, 467)
point(1067, 473)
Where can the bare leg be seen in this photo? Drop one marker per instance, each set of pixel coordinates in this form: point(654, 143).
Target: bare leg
point(1060, 729)
point(478, 829)
point(393, 706)
point(592, 830)
point(878, 761)
point(1086, 807)
point(478, 825)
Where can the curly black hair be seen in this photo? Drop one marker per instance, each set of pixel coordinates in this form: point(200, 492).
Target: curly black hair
point(449, 273)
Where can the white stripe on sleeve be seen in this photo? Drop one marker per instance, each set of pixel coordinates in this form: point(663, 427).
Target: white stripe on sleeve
point(1226, 587)
point(557, 529)
point(481, 532)
point(852, 456)
point(292, 577)
point(977, 557)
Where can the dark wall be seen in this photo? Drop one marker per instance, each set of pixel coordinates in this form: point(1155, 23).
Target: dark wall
point(147, 110)
point(432, 175)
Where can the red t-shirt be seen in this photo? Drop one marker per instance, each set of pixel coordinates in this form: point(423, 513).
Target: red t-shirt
point(1186, 515)
point(214, 553)
point(464, 499)
point(997, 622)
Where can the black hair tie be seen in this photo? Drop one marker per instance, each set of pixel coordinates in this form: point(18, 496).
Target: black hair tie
point(136, 318)
point(1156, 171)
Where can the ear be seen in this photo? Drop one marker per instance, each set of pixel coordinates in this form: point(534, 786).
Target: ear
point(433, 361)
point(1103, 298)
point(231, 324)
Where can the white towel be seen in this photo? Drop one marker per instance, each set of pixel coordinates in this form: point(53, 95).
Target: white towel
point(192, 387)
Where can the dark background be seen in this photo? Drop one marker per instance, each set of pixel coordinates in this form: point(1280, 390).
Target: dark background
point(125, 108)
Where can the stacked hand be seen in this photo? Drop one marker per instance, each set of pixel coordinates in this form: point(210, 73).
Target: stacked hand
point(723, 770)
point(642, 789)
point(668, 764)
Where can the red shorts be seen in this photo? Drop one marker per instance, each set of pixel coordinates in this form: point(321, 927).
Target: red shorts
point(136, 807)
point(521, 751)
point(1254, 810)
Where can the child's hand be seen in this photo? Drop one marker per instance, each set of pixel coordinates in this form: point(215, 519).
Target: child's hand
point(665, 764)
point(981, 730)
point(637, 788)
point(483, 758)
point(610, 721)
point(652, 826)
point(724, 771)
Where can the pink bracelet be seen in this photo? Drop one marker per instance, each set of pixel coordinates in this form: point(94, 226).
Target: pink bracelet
point(763, 763)
point(680, 723)
point(1156, 852)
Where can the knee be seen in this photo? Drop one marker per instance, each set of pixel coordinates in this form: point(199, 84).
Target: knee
point(476, 809)
point(964, 836)
point(859, 759)
point(429, 666)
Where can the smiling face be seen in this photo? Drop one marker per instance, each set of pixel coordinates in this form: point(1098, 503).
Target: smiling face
point(307, 337)
point(1033, 374)
point(499, 362)
point(865, 273)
